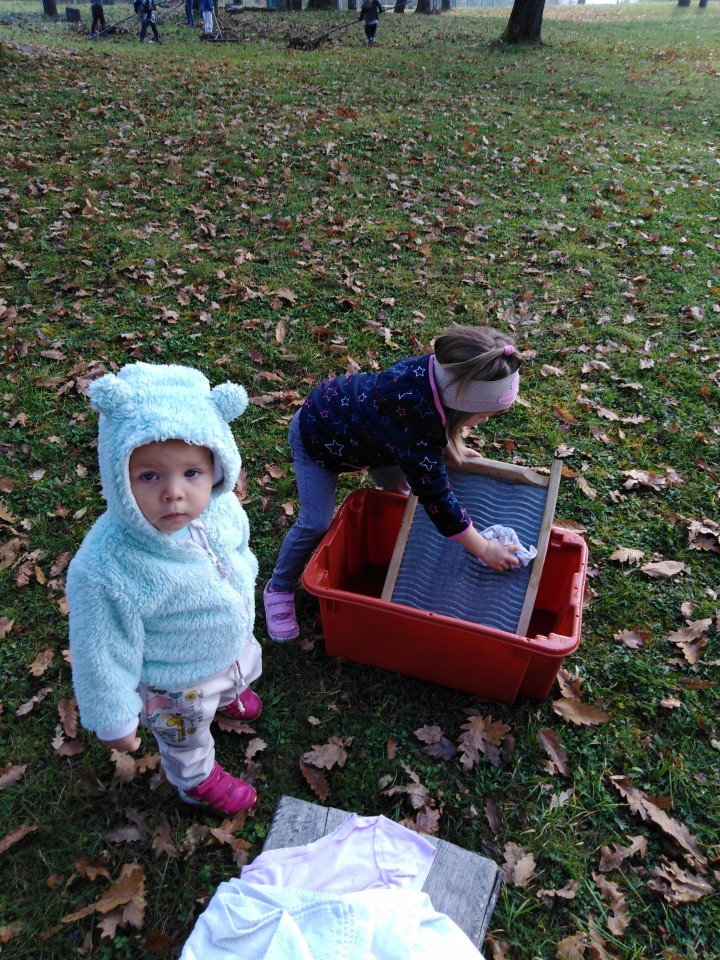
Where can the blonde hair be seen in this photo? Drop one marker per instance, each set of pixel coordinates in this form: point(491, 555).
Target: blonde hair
point(472, 353)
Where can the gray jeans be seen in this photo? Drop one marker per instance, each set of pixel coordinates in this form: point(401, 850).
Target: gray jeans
point(317, 491)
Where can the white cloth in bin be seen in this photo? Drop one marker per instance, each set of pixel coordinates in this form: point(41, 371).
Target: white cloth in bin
point(508, 536)
point(363, 853)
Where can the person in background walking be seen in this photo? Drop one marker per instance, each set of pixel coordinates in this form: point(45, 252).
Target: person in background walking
point(98, 18)
point(207, 7)
point(189, 13)
point(370, 13)
point(147, 19)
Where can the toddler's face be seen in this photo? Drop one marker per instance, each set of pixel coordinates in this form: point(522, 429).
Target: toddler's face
point(171, 482)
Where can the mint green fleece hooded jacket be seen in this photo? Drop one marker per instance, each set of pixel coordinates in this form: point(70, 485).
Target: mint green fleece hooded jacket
point(144, 606)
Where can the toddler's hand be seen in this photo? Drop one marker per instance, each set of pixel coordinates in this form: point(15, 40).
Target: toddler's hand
point(500, 556)
point(126, 744)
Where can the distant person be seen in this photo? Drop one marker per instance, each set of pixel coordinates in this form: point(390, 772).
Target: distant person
point(147, 19)
point(161, 592)
point(98, 18)
point(401, 425)
point(206, 8)
point(370, 13)
point(190, 19)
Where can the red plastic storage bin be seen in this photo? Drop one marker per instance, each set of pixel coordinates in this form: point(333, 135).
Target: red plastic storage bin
point(347, 574)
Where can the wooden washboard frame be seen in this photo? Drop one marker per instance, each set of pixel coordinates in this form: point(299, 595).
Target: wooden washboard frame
point(508, 473)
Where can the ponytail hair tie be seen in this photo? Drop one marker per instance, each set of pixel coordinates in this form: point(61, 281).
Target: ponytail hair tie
point(508, 349)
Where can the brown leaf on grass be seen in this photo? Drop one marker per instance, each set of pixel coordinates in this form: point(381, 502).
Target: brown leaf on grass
point(612, 859)
point(67, 709)
point(569, 684)
point(550, 743)
point(627, 555)
point(633, 639)
point(662, 569)
point(41, 662)
point(162, 842)
point(437, 745)
point(499, 949)
point(589, 491)
point(91, 783)
point(158, 944)
point(317, 782)
point(426, 821)
point(641, 804)
point(256, 745)
point(483, 735)
point(493, 814)
point(67, 748)
point(580, 713)
point(567, 892)
point(648, 478)
point(91, 871)
point(15, 836)
point(9, 931)
point(5, 627)
point(330, 754)
point(572, 948)
point(597, 943)
point(519, 865)
point(677, 885)
point(128, 891)
point(38, 698)
point(233, 724)
point(417, 795)
point(618, 921)
point(704, 535)
point(197, 835)
point(224, 834)
point(691, 639)
point(125, 769)
point(12, 773)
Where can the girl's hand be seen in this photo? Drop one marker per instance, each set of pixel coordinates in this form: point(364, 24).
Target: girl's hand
point(457, 457)
point(500, 556)
point(126, 744)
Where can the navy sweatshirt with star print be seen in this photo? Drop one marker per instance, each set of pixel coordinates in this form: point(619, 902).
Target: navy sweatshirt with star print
point(393, 418)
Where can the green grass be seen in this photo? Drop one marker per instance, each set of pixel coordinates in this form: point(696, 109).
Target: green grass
point(153, 202)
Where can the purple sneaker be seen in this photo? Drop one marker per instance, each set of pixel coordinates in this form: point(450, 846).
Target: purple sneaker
point(280, 616)
point(221, 792)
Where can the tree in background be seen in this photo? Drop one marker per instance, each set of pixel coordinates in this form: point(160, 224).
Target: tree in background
point(525, 22)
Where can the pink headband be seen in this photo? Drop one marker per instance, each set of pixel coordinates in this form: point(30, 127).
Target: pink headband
point(478, 396)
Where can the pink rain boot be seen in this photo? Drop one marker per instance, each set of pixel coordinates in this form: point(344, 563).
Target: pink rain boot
point(248, 706)
point(221, 792)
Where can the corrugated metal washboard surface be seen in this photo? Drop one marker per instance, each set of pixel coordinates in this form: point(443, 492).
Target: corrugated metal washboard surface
point(437, 574)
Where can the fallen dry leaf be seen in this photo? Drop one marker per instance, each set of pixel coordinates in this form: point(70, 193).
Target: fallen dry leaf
point(641, 804)
point(550, 743)
point(663, 568)
point(627, 555)
point(612, 859)
point(330, 754)
point(15, 836)
point(12, 773)
point(633, 639)
point(519, 865)
point(580, 713)
point(677, 885)
point(317, 782)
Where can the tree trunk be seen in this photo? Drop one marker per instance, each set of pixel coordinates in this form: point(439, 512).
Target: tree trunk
point(50, 8)
point(400, 6)
point(423, 6)
point(319, 5)
point(683, 3)
point(702, 4)
point(525, 22)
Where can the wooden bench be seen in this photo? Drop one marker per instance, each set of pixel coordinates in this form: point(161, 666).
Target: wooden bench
point(461, 884)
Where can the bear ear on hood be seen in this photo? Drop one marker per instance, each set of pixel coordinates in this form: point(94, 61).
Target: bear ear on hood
point(229, 399)
point(109, 395)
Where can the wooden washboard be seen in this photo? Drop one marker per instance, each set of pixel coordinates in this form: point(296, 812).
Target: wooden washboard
point(431, 572)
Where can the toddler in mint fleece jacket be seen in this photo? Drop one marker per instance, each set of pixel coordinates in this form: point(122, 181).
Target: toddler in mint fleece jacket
point(161, 591)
